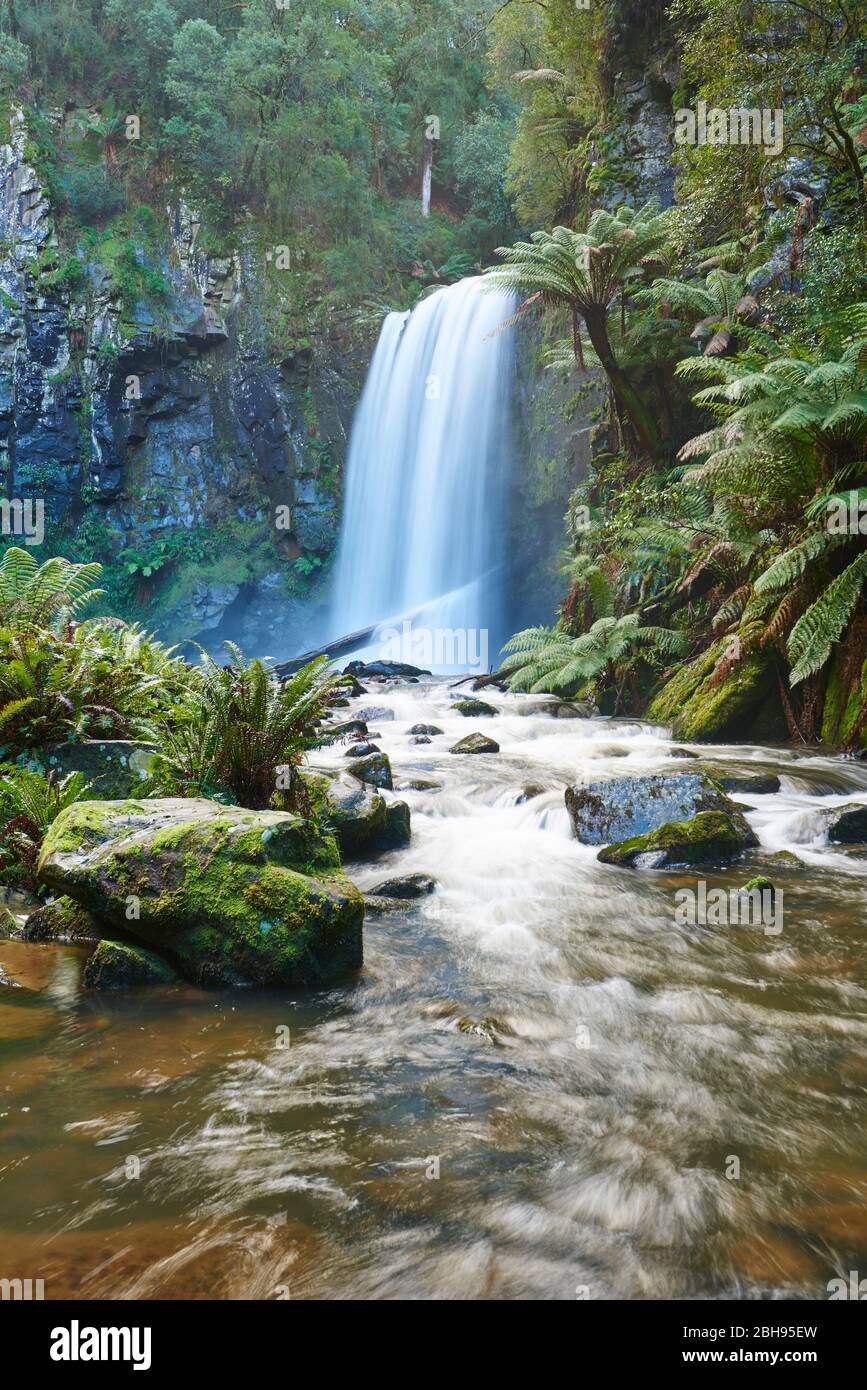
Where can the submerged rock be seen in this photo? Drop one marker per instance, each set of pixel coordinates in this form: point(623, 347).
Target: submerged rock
point(475, 743)
point(409, 886)
point(602, 812)
point(474, 709)
point(374, 768)
point(756, 784)
point(420, 738)
point(118, 965)
point(371, 713)
point(214, 886)
point(709, 838)
point(430, 730)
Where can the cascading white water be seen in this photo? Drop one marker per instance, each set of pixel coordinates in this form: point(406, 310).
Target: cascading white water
point(428, 472)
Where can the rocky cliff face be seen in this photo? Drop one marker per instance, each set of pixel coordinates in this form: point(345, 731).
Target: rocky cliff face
point(165, 432)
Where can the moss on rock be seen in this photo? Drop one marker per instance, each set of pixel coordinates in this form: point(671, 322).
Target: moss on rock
point(701, 708)
point(711, 837)
point(120, 965)
point(225, 891)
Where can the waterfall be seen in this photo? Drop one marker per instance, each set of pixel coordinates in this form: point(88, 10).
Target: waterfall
point(425, 518)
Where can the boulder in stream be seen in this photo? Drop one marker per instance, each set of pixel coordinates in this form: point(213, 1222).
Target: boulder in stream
point(217, 888)
point(360, 818)
point(707, 839)
point(752, 784)
point(472, 709)
point(430, 730)
point(847, 825)
point(360, 749)
point(621, 807)
point(475, 743)
point(374, 768)
point(376, 713)
point(409, 886)
point(120, 965)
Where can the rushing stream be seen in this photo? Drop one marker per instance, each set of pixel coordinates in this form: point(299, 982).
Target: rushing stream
point(534, 1089)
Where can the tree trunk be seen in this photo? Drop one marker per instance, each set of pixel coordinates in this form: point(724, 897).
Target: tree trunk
point(627, 398)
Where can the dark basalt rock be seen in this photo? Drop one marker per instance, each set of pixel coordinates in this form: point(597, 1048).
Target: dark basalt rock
point(847, 825)
point(397, 825)
point(360, 750)
point(409, 886)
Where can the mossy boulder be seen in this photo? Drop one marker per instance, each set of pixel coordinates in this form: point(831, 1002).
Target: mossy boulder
point(845, 698)
point(475, 743)
point(471, 709)
point(622, 807)
point(229, 895)
point(120, 965)
point(374, 769)
point(703, 705)
point(756, 784)
point(707, 839)
point(362, 821)
point(61, 919)
point(115, 768)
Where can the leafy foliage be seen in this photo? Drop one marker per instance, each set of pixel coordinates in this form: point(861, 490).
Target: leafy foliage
point(29, 802)
point(237, 725)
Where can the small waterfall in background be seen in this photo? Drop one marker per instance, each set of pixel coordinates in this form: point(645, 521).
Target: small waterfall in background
point(425, 521)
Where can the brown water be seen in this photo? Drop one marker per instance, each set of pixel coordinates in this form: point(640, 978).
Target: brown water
point(534, 1089)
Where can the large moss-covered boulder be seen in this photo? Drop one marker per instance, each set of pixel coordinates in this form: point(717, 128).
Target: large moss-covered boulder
point(622, 807)
point(707, 839)
point(232, 896)
point(121, 965)
point(115, 768)
point(713, 699)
